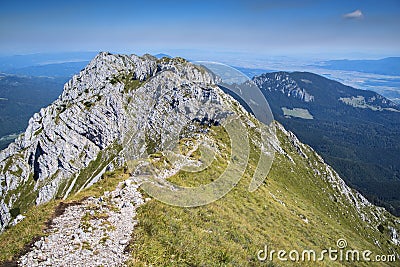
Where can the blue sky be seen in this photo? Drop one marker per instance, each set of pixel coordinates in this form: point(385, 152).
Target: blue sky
point(281, 27)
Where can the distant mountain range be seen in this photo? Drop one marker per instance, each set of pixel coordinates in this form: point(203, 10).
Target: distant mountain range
point(161, 55)
point(356, 131)
point(385, 66)
point(8, 63)
point(66, 69)
point(251, 72)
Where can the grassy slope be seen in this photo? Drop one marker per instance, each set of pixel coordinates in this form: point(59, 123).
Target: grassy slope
point(230, 231)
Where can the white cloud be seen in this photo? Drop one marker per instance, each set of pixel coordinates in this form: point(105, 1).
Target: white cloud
point(357, 14)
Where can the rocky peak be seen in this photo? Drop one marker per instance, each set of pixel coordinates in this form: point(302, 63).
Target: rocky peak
point(70, 143)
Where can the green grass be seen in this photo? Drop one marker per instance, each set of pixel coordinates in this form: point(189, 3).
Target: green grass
point(18, 172)
point(193, 179)
point(176, 60)
point(230, 231)
point(164, 60)
point(38, 132)
point(94, 167)
point(108, 182)
point(7, 165)
point(25, 193)
point(60, 109)
point(86, 245)
point(297, 113)
point(129, 81)
point(151, 144)
point(88, 104)
point(14, 239)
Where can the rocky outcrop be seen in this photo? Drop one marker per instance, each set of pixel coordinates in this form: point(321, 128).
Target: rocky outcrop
point(116, 108)
point(282, 82)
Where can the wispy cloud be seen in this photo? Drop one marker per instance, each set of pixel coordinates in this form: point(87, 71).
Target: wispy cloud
point(356, 14)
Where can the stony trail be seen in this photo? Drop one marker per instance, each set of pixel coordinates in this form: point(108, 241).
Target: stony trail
point(95, 232)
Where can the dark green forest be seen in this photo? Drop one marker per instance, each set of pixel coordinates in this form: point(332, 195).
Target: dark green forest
point(20, 98)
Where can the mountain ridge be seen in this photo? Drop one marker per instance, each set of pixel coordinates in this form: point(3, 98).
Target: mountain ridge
point(293, 88)
point(385, 66)
point(75, 152)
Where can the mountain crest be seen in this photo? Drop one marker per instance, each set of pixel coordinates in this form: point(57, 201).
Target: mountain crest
point(70, 143)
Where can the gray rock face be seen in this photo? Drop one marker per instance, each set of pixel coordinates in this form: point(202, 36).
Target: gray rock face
point(285, 84)
point(98, 121)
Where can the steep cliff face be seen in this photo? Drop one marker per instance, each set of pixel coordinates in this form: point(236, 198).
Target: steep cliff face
point(116, 101)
